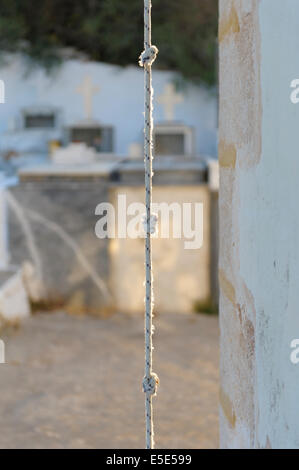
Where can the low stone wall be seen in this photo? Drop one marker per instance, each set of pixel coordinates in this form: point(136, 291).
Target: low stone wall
point(181, 276)
point(52, 220)
point(51, 224)
point(14, 300)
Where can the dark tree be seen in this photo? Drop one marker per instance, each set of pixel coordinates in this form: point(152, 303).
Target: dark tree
point(112, 31)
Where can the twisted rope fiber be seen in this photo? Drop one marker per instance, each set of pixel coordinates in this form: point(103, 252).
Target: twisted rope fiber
point(150, 380)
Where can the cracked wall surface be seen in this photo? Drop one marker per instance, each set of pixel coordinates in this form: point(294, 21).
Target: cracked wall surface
point(51, 224)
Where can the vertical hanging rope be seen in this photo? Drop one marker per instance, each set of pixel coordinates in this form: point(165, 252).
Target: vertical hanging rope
point(150, 380)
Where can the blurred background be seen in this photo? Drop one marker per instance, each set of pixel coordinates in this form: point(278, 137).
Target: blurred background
point(71, 304)
point(111, 31)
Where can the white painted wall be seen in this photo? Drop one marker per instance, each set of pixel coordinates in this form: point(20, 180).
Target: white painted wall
point(4, 250)
point(118, 103)
point(4, 235)
point(259, 249)
point(276, 189)
point(14, 301)
point(3, 231)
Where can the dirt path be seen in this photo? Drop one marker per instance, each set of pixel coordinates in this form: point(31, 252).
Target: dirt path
point(76, 383)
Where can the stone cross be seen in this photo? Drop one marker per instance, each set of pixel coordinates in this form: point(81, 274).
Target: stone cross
point(87, 90)
point(168, 100)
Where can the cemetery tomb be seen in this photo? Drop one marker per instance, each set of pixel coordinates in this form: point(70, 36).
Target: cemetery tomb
point(40, 117)
point(173, 140)
point(98, 137)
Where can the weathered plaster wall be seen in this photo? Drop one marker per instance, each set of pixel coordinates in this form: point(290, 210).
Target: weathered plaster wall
point(176, 288)
point(51, 225)
point(259, 223)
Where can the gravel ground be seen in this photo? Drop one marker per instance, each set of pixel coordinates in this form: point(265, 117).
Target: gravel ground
point(75, 382)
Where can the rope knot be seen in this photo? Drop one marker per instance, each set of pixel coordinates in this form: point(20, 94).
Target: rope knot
point(150, 384)
point(153, 224)
point(148, 56)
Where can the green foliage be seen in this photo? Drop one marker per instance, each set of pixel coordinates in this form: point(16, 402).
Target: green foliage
point(112, 31)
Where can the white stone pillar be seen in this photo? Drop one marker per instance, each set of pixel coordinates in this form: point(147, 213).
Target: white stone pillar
point(259, 223)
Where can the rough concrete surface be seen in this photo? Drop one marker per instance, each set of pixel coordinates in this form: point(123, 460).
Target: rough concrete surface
point(75, 382)
point(51, 224)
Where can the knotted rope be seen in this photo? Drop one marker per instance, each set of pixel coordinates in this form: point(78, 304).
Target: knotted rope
point(150, 380)
point(148, 56)
point(153, 224)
